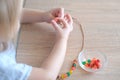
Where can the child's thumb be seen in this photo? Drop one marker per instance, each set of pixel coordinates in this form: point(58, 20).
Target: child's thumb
point(55, 25)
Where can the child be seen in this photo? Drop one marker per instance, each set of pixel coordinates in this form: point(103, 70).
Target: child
point(11, 15)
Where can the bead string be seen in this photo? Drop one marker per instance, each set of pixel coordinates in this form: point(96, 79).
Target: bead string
point(68, 74)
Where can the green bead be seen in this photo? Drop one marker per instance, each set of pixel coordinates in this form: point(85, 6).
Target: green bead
point(88, 60)
point(74, 65)
point(83, 62)
point(68, 74)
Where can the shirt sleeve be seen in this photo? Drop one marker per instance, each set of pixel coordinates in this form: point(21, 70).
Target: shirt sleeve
point(17, 72)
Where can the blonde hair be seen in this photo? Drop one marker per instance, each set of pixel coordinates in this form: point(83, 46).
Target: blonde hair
point(9, 17)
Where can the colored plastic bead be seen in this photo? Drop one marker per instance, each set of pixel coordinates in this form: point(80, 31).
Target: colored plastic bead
point(71, 71)
point(98, 65)
point(65, 75)
point(98, 60)
point(92, 63)
point(74, 65)
point(62, 76)
point(73, 68)
point(88, 60)
point(94, 67)
point(86, 65)
point(94, 59)
point(68, 74)
point(84, 62)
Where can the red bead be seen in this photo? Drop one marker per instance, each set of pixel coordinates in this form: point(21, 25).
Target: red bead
point(73, 68)
point(98, 60)
point(94, 67)
point(86, 65)
point(98, 65)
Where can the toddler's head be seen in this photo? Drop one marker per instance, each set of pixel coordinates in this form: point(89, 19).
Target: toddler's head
point(10, 11)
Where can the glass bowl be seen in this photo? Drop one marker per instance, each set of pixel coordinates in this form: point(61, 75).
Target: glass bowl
point(92, 61)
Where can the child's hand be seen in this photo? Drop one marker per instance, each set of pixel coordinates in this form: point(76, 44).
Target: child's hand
point(54, 13)
point(64, 28)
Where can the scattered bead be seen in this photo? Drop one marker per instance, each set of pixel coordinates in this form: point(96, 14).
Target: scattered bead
point(88, 60)
point(87, 65)
point(94, 67)
point(92, 63)
point(83, 62)
point(98, 60)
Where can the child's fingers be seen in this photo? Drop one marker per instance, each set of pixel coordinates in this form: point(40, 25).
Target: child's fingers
point(63, 22)
point(69, 18)
point(55, 25)
point(61, 13)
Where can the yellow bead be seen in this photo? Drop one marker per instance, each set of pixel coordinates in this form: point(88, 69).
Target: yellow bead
point(62, 76)
point(71, 71)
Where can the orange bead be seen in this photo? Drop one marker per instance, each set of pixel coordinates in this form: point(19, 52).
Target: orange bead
point(93, 60)
point(86, 65)
point(92, 64)
point(65, 76)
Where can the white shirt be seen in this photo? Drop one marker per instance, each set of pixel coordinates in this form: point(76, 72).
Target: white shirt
point(9, 68)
